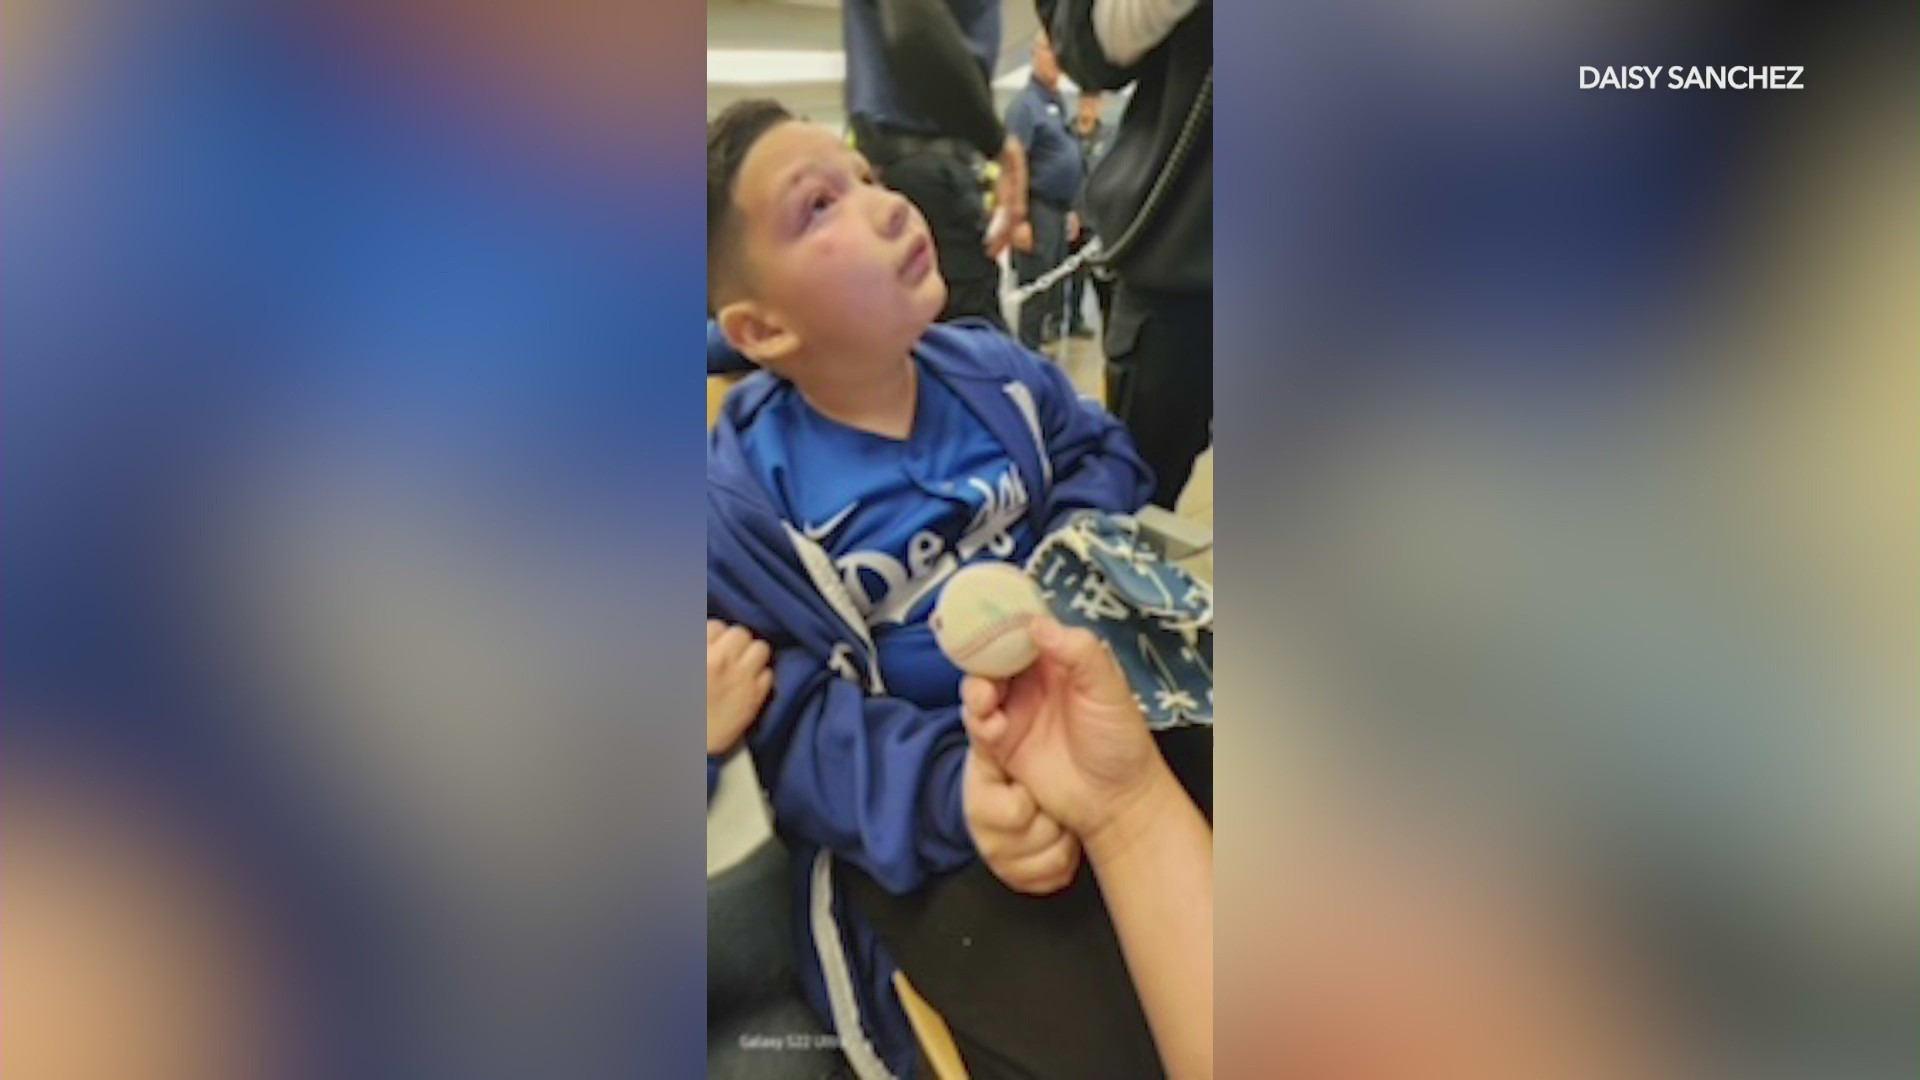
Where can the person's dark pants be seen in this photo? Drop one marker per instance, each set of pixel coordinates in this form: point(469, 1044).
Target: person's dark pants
point(1160, 380)
point(1030, 986)
point(943, 189)
point(1102, 296)
point(1077, 289)
point(759, 1027)
point(1102, 283)
point(1042, 313)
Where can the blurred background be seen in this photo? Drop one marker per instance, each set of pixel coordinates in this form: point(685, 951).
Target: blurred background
point(792, 50)
point(344, 730)
point(350, 542)
point(1572, 633)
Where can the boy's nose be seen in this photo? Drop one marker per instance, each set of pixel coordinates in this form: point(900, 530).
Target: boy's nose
point(893, 213)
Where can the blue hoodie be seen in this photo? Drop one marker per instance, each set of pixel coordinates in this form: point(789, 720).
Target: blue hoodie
point(852, 773)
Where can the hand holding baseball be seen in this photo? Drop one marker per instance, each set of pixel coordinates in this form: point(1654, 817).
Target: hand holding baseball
point(1068, 731)
point(738, 682)
point(1025, 847)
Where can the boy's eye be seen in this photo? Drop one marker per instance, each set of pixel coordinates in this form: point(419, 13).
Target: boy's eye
point(819, 204)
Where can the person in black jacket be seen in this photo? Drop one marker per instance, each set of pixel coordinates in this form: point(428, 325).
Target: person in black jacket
point(1159, 342)
point(921, 109)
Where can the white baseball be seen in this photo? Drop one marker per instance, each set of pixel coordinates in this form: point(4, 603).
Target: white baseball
point(981, 619)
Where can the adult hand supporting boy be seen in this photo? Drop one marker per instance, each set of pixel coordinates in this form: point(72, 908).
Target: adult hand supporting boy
point(1025, 847)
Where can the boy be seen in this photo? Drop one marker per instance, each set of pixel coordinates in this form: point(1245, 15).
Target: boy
point(873, 456)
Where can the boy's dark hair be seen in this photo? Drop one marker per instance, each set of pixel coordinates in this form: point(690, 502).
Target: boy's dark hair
point(729, 137)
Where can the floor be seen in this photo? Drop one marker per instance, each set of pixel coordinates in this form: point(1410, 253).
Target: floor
point(737, 819)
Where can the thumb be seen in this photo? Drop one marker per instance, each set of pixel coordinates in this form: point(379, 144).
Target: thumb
point(1083, 657)
point(1075, 649)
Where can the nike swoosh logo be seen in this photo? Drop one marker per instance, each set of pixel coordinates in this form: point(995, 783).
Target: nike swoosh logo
point(817, 533)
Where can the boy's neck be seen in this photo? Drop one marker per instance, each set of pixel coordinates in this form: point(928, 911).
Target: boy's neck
point(876, 397)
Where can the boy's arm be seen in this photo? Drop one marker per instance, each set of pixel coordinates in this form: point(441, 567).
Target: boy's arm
point(873, 779)
point(1095, 465)
point(876, 780)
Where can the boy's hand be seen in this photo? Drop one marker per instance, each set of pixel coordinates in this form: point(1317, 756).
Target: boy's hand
point(1023, 846)
point(738, 682)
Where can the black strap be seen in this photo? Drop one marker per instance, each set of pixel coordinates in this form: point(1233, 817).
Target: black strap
point(884, 144)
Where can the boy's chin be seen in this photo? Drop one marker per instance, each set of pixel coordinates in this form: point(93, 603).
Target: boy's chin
point(929, 299)
point(917, 307)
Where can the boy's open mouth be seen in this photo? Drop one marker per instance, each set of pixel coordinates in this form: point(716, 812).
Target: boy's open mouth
point(919, 260)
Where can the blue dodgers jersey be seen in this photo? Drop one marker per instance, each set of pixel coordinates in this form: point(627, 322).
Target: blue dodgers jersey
point(899, 517)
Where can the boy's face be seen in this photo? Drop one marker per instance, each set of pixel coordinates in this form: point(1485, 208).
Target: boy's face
point(832, 261)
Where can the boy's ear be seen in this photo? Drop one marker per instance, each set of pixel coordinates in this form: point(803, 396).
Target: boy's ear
point(757, 333)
